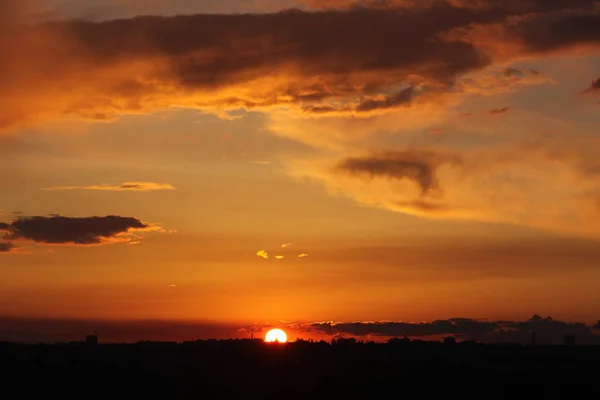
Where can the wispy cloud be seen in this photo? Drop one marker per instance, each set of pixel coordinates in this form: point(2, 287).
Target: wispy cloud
point(6, 247)
point(260, 162)
point(502, 110)
point(286, 245)
point(593, 88)
point(303, 255)
point(125, 186)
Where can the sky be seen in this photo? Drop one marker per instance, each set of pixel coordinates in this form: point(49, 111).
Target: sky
point(241, 164)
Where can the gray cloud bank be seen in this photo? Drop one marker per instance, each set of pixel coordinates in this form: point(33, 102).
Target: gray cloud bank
point(547, 330)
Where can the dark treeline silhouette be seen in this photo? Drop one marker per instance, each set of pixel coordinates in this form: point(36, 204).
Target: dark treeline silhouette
point(344, 368)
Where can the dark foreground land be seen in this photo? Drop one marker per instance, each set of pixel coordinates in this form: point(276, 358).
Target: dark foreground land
point(300, 370)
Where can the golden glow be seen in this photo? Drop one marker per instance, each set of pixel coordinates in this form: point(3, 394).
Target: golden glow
point(276, 335)
point(263, 254)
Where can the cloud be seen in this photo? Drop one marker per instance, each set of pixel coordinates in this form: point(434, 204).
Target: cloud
point(279, 257)
point(502, 110)
point(303, 255)
point(369, 105)
point(75, 230)
point(262, 254)
point(496, 81)
point(547, 330)
point(417, 166)
point(268, 61)
point(260, 162)
point(594, 87)
point(126, 186)
point(520, 6)
point(517, 182)
point(286, 245)
point(6, 247)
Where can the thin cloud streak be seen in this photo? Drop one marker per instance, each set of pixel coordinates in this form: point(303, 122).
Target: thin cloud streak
point(502, 110)
point(123, 187)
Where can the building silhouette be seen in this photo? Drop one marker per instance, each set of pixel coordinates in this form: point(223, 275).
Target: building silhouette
point(569, 340)
point(91, 339)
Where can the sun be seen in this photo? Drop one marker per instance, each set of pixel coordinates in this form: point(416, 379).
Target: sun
point(276, 335)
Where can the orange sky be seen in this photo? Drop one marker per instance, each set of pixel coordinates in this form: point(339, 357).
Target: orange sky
point(331, 164)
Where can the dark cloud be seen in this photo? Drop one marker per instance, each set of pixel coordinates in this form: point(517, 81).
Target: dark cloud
point(417, 166)
point(594, 87)
point(512, 72)
point(5, 247)
point(442, 327)
point(515, 6)
point(152, 62)
point(70, 230)
point(502, 110)
point(557, 31)
point(425, 206)
point(350, 56)
point(547, 330)
point(402, 98)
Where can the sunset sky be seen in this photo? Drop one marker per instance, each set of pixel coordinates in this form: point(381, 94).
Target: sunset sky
point(253, 162)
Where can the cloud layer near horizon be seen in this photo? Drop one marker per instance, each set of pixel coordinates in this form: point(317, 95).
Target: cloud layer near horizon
point(547, 330)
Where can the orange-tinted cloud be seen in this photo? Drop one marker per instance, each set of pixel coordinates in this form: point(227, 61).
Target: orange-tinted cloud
point(317, 61)
point(6, 247)
point(594, 87)
point(126, 186)
point(502, 110)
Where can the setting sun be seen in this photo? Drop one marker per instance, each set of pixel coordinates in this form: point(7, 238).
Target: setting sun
point(276, 335)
